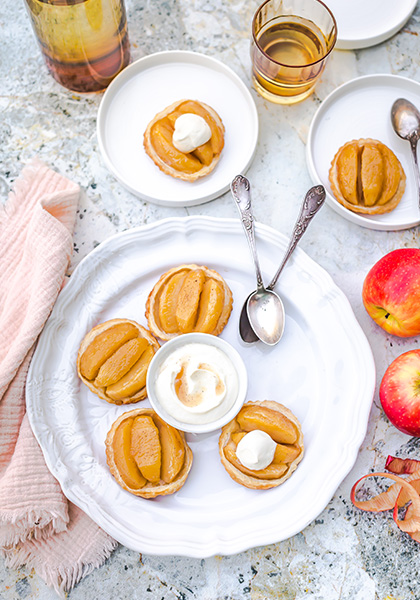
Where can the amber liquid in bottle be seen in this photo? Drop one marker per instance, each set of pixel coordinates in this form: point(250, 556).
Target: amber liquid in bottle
point(84, 42)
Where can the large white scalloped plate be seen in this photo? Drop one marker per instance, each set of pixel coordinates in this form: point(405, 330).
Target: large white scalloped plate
point(322, 370)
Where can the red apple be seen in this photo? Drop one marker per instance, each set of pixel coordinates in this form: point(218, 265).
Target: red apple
point(399, 392)
point(391, 292)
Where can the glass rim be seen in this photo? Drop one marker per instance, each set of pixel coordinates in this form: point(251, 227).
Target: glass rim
point(254, 39)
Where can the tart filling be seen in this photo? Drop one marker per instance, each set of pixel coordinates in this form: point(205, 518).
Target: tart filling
point(366, 177)
point(185, 140)
point(188, 298)
point(113, 360)
point(147, 456)
point(268, 461)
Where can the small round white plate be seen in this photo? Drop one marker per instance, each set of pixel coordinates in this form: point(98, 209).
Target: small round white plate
point(363, 23)
point(148, 86)
point(361, 108)
point(312, 371)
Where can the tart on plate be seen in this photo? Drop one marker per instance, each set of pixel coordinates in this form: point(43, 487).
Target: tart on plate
point(147, 457)
point(113, 360)
point(366, 177)
point(186, 299)
point(279, 426)
point(169, 139)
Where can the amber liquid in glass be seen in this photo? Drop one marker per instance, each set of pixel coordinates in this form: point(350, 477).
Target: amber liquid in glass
point(84, 42)
point(295, 48)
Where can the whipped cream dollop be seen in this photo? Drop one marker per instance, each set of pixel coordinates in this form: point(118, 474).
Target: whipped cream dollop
point(197, 383)
point(191, 131)
point(256, 450)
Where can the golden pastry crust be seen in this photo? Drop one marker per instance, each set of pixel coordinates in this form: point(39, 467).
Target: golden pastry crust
point(188, 298)
point(124, 474)
point(102, 345)
point(366, 177)
point(290, 451)
point(189, 166)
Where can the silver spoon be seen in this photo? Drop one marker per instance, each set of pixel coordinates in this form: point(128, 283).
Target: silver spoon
point(312, 202)
point(270, 302)
point(255, 323)
point(405, 120)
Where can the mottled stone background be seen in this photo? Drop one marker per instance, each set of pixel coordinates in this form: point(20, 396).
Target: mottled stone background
point(344, 554)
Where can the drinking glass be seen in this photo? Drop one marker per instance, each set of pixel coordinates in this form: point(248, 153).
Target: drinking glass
point(291, 42)
point(84, 42)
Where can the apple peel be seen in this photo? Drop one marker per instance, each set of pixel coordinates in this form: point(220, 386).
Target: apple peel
point(402, 465)
point(400, 493)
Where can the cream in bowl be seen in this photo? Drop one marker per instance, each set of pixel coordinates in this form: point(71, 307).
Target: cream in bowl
point(197, 382)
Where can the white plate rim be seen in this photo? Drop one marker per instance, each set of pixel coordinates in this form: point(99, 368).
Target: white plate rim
point(364, 80)
point(356, 43)
point(161, 58)
point(201, 548)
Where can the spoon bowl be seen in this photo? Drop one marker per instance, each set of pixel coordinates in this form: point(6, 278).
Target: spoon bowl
point(246, 332)
point(405, 119)
point(265, 312)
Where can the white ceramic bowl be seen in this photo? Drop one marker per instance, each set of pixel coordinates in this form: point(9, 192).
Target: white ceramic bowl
point(198, 338)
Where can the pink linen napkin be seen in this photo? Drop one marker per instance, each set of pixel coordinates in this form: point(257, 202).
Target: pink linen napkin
point(38, 525)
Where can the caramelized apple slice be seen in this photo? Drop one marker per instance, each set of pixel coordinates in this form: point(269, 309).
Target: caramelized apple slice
point(167, 124)
point(188, 299)
point(372, 174)
point(285, 454)
point(145, 447)
point(273, 471)
point(125, 463)
point(211, 306)
point(162, 142)
point(204, 153)
point(237, 436)
point(392, 175)
point(103, 346)
point(347, 172)
point(168, 302)
point(173, 451)
point(135, 380)
point(279, 427)
point(120, 362)
point(172, 117)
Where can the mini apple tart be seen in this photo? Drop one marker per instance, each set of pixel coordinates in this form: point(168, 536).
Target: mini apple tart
point(188, 298)
point(262, 446)
point(147, 456)
point(185, 140)
point(113, 360)
point(366, 177)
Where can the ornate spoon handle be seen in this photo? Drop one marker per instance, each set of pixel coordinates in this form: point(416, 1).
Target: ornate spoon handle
point(240, 188)
point(312, 202)
point(413, 144)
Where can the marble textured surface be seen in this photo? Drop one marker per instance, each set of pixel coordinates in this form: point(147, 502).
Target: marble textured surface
point(344, 554)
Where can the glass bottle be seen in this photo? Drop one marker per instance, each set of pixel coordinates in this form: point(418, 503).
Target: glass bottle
point(84, 42)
